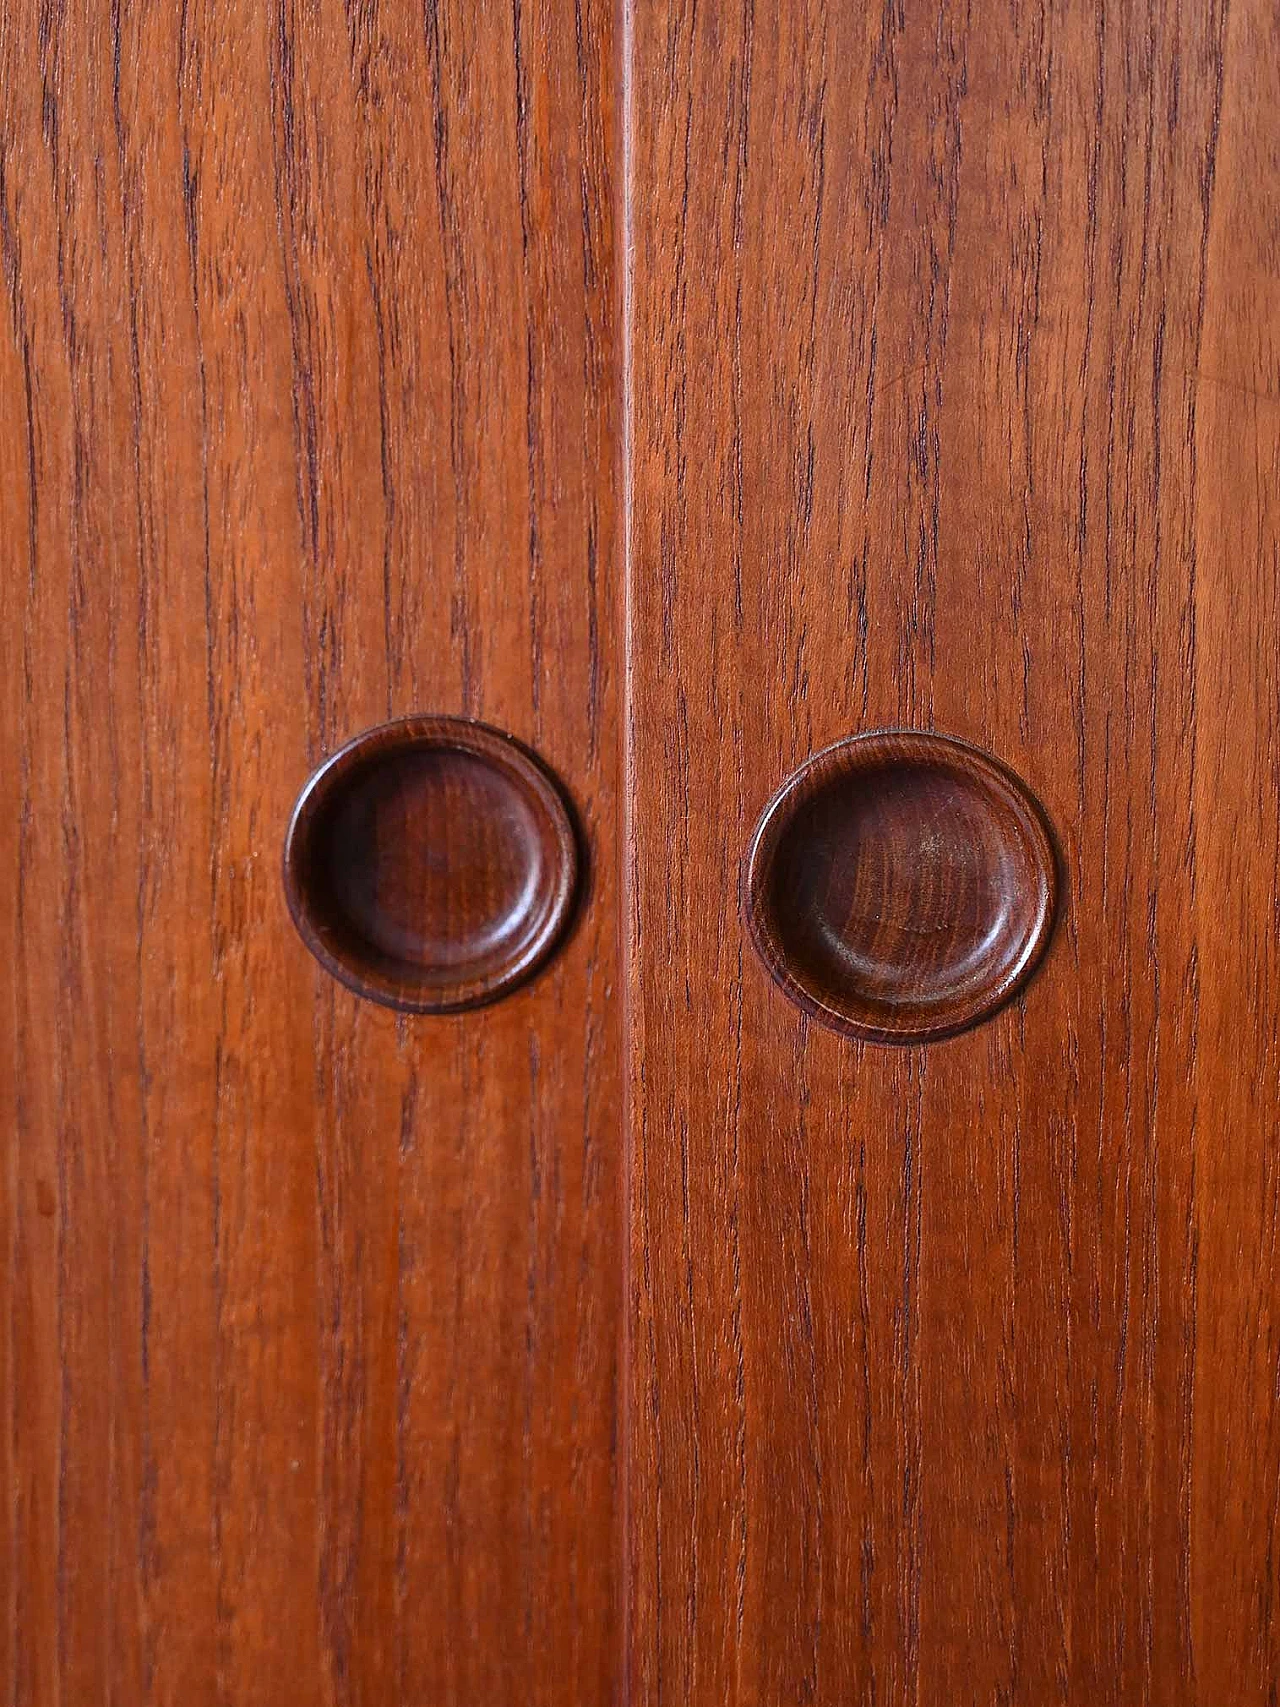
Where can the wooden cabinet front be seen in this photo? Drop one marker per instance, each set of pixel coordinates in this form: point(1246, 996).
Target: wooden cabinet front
point(754, 1179)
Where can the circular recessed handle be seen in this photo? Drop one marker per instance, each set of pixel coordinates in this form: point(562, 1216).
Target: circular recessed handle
point(431, 864)
point(901, 886)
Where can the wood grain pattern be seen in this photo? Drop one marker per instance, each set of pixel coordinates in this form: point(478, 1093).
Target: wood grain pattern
point(952, 403)
point(307, 416)
point(935, 382)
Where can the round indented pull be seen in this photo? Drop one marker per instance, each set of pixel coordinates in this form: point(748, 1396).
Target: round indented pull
point(431, 864)
point(900, 886)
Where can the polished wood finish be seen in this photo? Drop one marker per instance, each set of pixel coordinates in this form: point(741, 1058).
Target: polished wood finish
point(431, 864)
point(953, 404)
point(934, 374)
point(901, 886)
point(307, 420)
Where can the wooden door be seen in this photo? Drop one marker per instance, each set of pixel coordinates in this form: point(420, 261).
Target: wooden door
point(681, 389)
point(309, 416)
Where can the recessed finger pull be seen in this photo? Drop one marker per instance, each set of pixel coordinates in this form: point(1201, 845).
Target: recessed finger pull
point(431, 864)
point(901, 886)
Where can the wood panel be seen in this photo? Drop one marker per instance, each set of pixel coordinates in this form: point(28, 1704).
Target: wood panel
point(307, 407)
point(950, 372)
point(952, 403)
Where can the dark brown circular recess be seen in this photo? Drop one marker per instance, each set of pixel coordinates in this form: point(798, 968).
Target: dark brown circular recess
point(431, 864)
point(901, 886)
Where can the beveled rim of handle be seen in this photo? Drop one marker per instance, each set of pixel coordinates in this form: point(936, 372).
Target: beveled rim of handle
point(865, 751)
point(523, 768)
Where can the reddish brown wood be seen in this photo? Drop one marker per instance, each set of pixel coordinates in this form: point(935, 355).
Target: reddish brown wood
point(901, 886)
point(307, 420)
point(431, 864)
point(953, 405)
point(951, 377)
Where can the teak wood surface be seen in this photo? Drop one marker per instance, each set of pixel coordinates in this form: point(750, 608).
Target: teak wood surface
point(681, 388)
point(310, 393)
